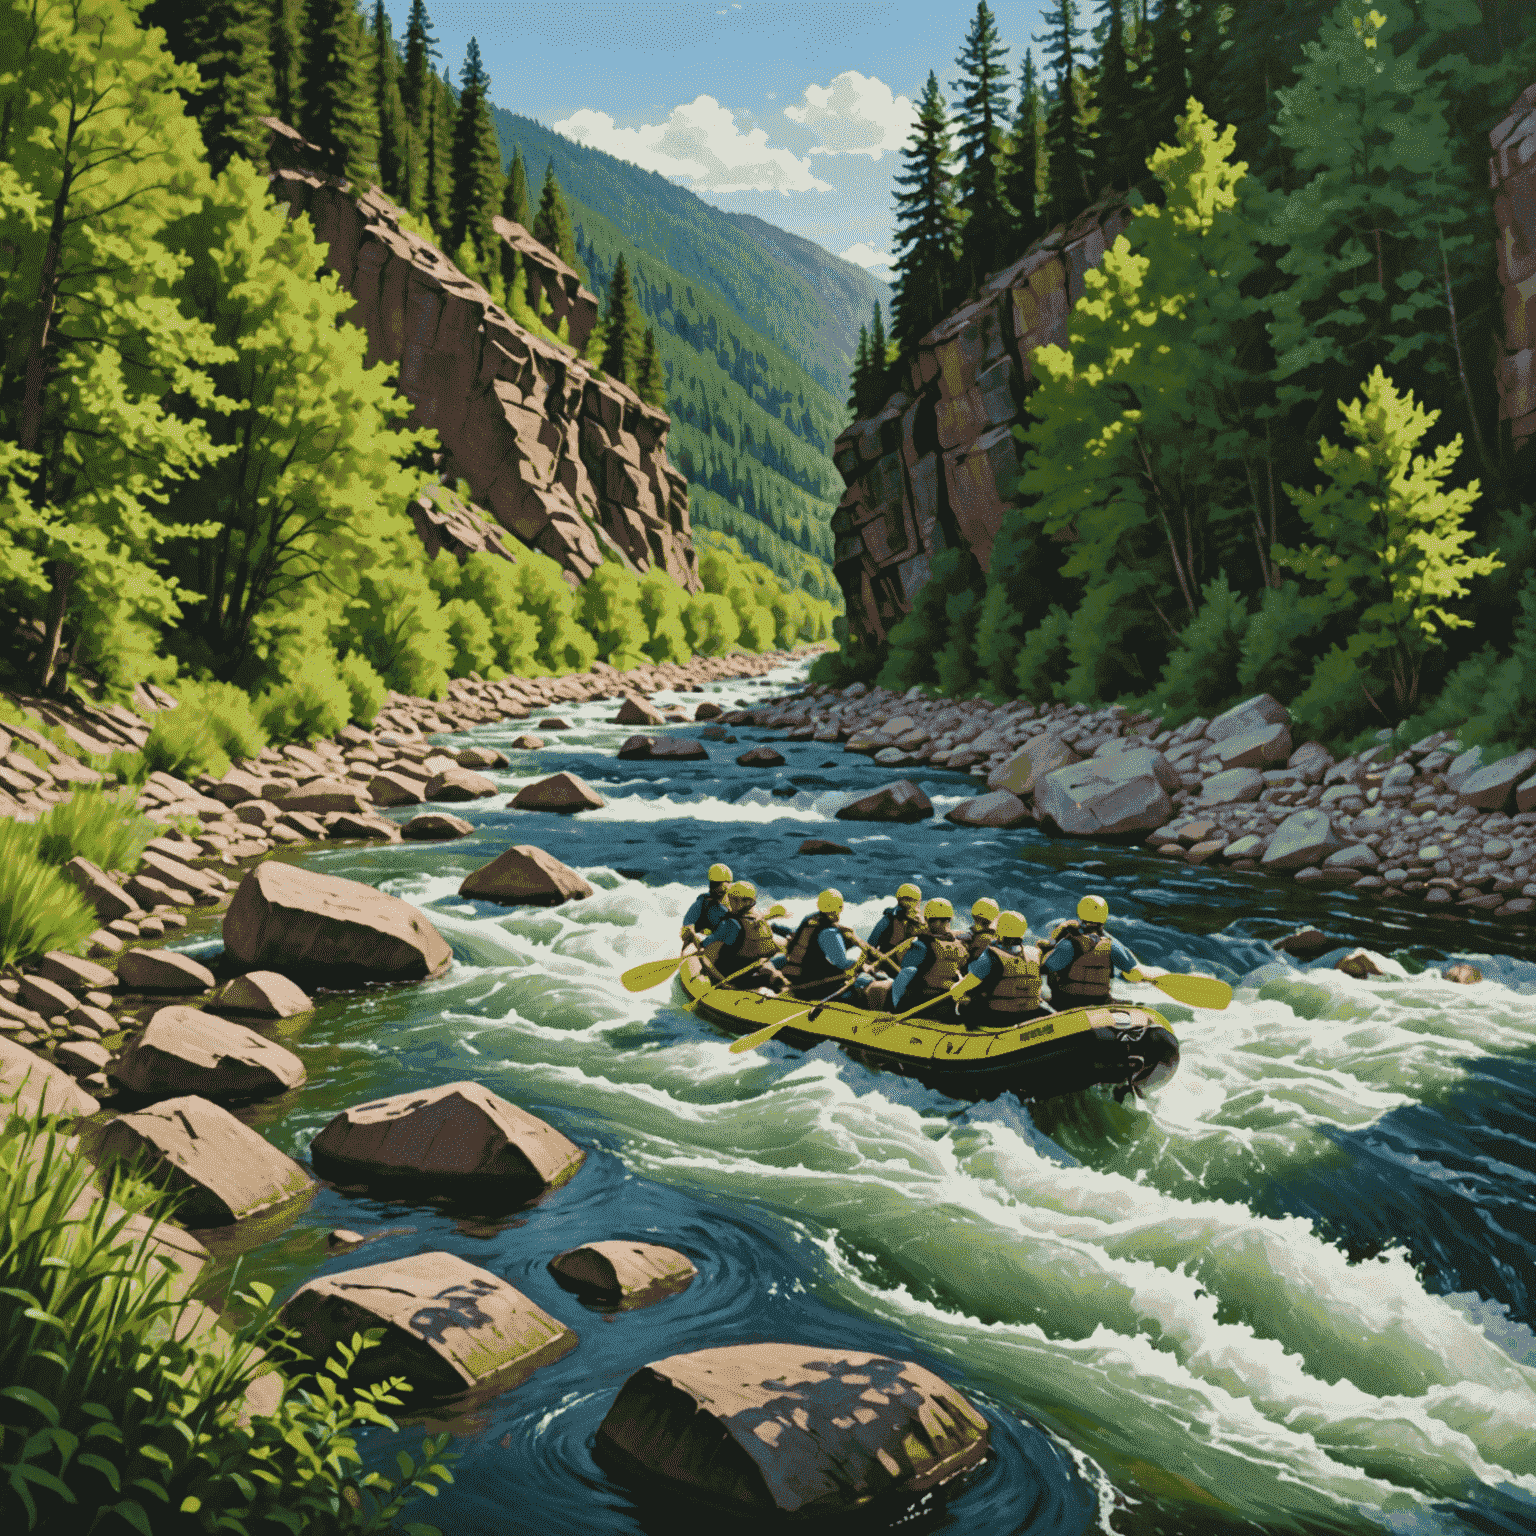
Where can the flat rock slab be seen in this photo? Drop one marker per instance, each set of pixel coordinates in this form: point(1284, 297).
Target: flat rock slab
point(449, 1327)
point(322, 795)
point(454, 1132)
point(435, 827)
point(263, 995)
point(902, 801)
point(623, 1274)
point(163, 970)
point(300, 922)
point(1264, 747)
point(40, 1083)
point(1000, 808)
point(226, 1170)
point(562, 793)
point(1232, 787)
point(76, 974)
point(457, 784)
point(185, 1051)
point(525, 876)
point(1490, 788)
point(760, 757)
point(789, 1429)
point(45, 997)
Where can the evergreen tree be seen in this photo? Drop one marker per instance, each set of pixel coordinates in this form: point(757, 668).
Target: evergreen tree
point(1117, 133)
point(621, 345)
point(417, 78)
point(926, 283)
point(1167, 86)
point(552, 226)
point(395, 146)
point(858, 386)
point(1067, 188)
point(877, 347)
point(651, 374)
point(982, 112)
point(435, 178)
point(514, 196)
point(1022, 185)
point(476, 161)
point(337, 111)
point(286, 53)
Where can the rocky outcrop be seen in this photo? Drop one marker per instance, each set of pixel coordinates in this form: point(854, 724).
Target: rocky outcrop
point(570, 463)
point(935, 467)
point(1512, 173)
point(444, 520)
point(549, 278)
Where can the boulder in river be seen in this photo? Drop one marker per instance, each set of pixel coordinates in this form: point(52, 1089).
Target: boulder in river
point(1358, 963)
point(301, 922)
point(821, 845)
point(1306, 944)
point(262, 995)
point(1122, 794)
point(527, 742)
point(435, 827)
point(449, 1326)
point(636, 711)
point(562, 793)
point(163, 970)
point(394, 789)
point(457, 784)
point(708, 710)
point(1304, 838)
point(554, 723)
point(663, 748)
point(793, 1429)
point(998, 808)
point(1022, 773)
point(481, 757)
point(525, 876)
point(760, 757)
point(1463, 974)
point(185, 1051)
point(623, 1274)
point(902, 801)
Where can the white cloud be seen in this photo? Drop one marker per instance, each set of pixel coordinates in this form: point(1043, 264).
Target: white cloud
point(701, 144)
point(865, 255)
point(855, 115)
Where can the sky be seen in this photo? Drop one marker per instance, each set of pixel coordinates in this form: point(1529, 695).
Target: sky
point(794, 110)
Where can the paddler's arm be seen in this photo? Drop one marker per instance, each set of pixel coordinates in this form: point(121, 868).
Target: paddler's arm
point(1124, 961)
point(1059, 958)
point(835, 950)
point(691, 921)
point(725, 934)
point(981, 966)
point(916, 955)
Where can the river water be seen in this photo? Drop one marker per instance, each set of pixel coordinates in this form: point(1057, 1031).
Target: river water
point(1294, 1291)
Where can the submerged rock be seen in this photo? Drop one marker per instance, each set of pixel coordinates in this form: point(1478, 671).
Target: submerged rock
point(623, 1274)
point(821, 845)
point(902, 801)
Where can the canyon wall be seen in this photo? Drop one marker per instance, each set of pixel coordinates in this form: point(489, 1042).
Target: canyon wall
point(1512, 173)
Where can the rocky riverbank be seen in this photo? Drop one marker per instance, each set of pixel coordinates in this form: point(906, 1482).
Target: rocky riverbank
point(1429, 825)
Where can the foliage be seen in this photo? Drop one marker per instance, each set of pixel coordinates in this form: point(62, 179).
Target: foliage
point(94, 824)
point(608, 607)
point(365, 688)
point(917, 642)
point(663, 605)
point(725, 577)
point(1200, 676)
point(1021, 184)
point(1069, 157)
point(311, 702)
point(335, 109)
point(981, 112)
point(552, 225)
point(211, 724)
point(1041, 668)
point(469, 635)
point(711, 625)
point(40, 908)
point(621, 341)
point(476, 162)
point(514, 193)
point(560, 644)
point(397, 143)
point(926, 224)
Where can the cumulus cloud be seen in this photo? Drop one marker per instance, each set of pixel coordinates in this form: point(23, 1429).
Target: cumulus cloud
point(699, 143)
point(865, 255)
point(855, 115)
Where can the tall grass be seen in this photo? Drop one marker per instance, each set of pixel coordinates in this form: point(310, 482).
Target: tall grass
point(111, 1422)
point(94, 824)
point(213, 723)
point(40, 909)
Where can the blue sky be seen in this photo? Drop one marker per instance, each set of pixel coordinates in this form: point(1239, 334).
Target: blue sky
point(794, 111)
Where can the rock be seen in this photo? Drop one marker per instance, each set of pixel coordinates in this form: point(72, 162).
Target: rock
point(104, 895)
point(636, 749)
point(1311, 760)
point(480, 757)
point(1022, 773)
point(792, 1429)
point(39, 1083)
point(821, 845)
point(527, 743)
point(394, 789)
point(1465, 975)
point(343, 1237)
point(184, 1051)
point(707, 711)
point(299, 921)
point(1306, 944)
point(554, 723)
point(455, 1134)
point(1525, 795)
point(324, 795)
point(1232, 787)
point(1359, 964)
point(525, 876)
point(236, 786)
point(636, 711)
point(683, 749)
point(262, 994)
point(163, 970)
point(902, 801)
point(1249, 847)
point(1491, 788)
point(435, 826)
point(1120, 795)
point(1000, 808)
point(344, 826)
point(82, 1058)
point(1463, 766)
point(622, 1273)
point(1261, 748)
point(1251, 715)
point(562, 793)
point(456, 784)
point(448, 1325)
point(227, 1171)
point(1354, 856)
point(46, 997)
point(760, 757)
point(1304, 838)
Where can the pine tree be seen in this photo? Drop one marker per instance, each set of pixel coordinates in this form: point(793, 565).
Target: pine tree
point(337, 112)
point(1116, 132)
point(1167, 86)
point(621, 322)
point(858, 384)
point(1023, 180)
point(926, 228)
point(651, 374)
point(982, 110)
point(395, 146)
point(476, 162)
point(285, 53)
point(1067, 188)
point(435, 179)
point(514, 196)
point(417, 79)
point(552, 226)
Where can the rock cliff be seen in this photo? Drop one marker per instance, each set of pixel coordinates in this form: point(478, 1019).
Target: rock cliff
point(935, 467)
point(1512, 173)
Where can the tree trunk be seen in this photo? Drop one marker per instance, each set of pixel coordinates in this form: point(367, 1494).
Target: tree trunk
point(52, 676)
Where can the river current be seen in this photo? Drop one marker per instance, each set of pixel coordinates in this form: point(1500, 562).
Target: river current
point(1294, 1291)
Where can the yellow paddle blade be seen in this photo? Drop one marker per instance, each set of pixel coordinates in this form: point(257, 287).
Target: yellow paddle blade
point(776, 910)
point(763, 1036)
point(651, 974)
point(1197, 991)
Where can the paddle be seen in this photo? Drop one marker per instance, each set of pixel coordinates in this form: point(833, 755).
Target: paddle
point(1197, 991)
point(641, 978)
point(762, 1036)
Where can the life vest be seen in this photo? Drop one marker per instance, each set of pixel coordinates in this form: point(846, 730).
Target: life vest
point(754, 942)
point(979, 940)
point(804, 963)
point(1013, 985)
point(1086, 980)
point(903, 930)
point(946, 962)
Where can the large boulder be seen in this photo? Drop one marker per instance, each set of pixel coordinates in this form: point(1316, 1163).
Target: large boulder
point(1233, 786)
point(39, 1082)
point(435, 827)
point(301, 922)
point(1022, 773)
point(793, 1429)
point(481, 757)
point(225, 1170)
point(262, 995)
point(456, 784)
point(1492, 788)
point(636, 711)
point(456, 1133)
point(322, 795)
point(525, 876)
point(1122, 794)
point(1000, 808)
point(760, 757)
point(1251, 715)
point(1303, 839)
point(1264, 747)
point(448, 1325)
point(902, 801)
point(665, 748)
point(562, 793)
point(623, 1274)
point(163, 970)
point(184, 1051)
point(394, 789)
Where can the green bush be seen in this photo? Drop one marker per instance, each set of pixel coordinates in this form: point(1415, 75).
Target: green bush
point(492, 584)
point(315, 702)
point(662, 605)
point(40, 909)
point(1200, 674)
point(711, 624)
point(364, 687)
point(543, 593)
point(1041, 667)
point(609, 608)
point(470, 637)
point(94, 824)
point(212, 723)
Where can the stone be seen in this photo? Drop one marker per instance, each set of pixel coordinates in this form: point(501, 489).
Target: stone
point(774, 1430)
point(1261, 748)
point(636, 749)
point(96, 1018)
point(343, 1237)
point(226, 1171)
point(1492, 788)
point(814, 845)
point(480, 757)
point(39, 1083)
point(562, 793)
point(902, 801)
point(1463, 974)
point(1359, 964)
point(636, 711)
point(457, 784)
point(1463, 766)
point(324, 795)
point(1030, 764)
point(344, 826)
point(434, 827)
point(82, 1058)
point(236, 786)
point(622, 1273)
point(680, 749)
point(183, 1051)
point(394, 789)
point(1122, 794)
point(1000, 808)
point(46, 997)
point(1359, 856)
point(449, 1326)
point(1306, 944)
point(554, 723)
point(104, 895)
point(457, 1134)
point(760, 757)
point(525, 876)
point(707, 711)
point(1234, 786)
point(1251, 715)
point(527, 743)
point(1249, 847)
point(1304, 838)
point(299, 921)
point(163, 970)
point(262, 994)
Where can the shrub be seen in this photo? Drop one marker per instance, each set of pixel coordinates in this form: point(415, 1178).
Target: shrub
point(561, 644)
point(94, 824)
point(40, 908)
point(212, 723)
point(662, 606)
point(469, 637)
point(398, 623)
point(492, 584)
point(1200, 675)
point(711, 624)
point(608, 607)
point(1041, 668)
point(364, 687)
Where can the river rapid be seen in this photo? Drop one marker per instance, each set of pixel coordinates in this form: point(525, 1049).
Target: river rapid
point(1292, 1292)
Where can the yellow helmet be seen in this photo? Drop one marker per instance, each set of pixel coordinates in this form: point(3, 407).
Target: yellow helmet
point(908, 892)
point(830, 901)
point(1093, 909)
point(985, 907)
point(720, 874)
point(1012, 925)
point(743, 890)
point(938, 907)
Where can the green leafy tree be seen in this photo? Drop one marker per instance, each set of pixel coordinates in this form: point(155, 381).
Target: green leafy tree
point(1021, 187)
point(662, 605)
point(396, 146)
point(927, 284)
point(981, 111)
point(650, 372)
point(1069, 157)
point(337, 112)
point(285, 50)
point(552, 225)
point(621, 342)
point(1390, 549)
point(608, 607)
point(476, 161)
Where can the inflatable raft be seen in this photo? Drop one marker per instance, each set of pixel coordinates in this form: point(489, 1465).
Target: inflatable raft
point(1124, 1046)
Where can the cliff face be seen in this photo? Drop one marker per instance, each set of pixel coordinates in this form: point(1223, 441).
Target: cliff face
point(570, 463)
point(1512, 172)
point(550, 278)
point(935, 468)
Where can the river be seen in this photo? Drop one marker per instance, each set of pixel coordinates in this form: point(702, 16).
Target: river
point(1293, 1291)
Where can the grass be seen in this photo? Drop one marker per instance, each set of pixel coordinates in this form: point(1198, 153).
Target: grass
point(40, 908)
point(213, 723)
point(96, 824)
